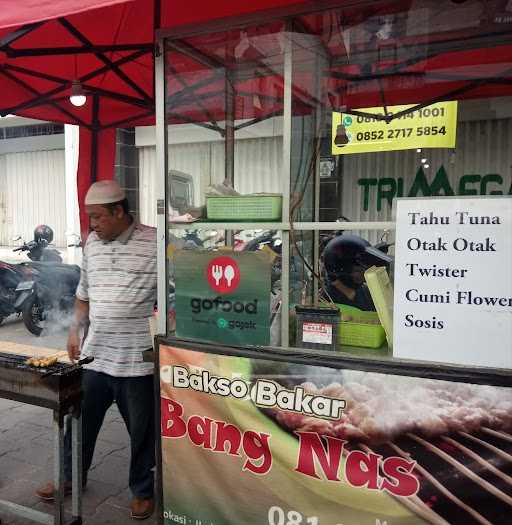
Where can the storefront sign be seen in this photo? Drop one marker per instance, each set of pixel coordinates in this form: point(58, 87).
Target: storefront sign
point(260, 442)
point(453, 280)
point(383, 190)
point(223, 298)
point(434, 126)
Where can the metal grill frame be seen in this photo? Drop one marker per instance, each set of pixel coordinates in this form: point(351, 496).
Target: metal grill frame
point(60, 393)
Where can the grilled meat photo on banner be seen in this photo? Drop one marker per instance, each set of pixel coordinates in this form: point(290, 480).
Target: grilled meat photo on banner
point(265, 439)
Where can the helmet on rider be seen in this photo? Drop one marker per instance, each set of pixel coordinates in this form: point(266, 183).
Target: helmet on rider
point(43, 232)
point(346, 257)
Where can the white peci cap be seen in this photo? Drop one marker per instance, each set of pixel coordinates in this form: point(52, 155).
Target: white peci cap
point(104, 192)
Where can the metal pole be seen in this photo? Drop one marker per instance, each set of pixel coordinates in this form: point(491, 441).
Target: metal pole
point(229, 139)
point(77, 468)
point(161, 186)
point(58, 459)
point(94, 141)
point(287, 142)
point(321, 63)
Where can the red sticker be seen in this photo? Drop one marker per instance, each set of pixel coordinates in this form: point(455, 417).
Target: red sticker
point(223, 274)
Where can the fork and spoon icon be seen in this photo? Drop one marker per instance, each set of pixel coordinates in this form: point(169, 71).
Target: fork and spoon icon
point(228, 272)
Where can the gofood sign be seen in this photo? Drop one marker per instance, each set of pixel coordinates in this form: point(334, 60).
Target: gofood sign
point(223, 298)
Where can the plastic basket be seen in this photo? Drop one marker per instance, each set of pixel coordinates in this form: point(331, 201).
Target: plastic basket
point(244, 207)
point(364, 329)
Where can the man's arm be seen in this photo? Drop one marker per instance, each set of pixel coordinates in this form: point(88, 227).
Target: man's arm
point(80, 321)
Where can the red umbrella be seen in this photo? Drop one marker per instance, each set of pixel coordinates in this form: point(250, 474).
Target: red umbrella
point(106, 48)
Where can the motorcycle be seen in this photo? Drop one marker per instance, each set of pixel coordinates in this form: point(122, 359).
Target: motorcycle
point(12, 274)
point(48, 297)
point(39, 251)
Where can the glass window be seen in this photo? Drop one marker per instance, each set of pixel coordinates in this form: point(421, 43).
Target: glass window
point(369, 105)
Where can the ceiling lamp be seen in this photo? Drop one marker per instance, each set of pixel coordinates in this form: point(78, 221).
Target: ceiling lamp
point(77, 97)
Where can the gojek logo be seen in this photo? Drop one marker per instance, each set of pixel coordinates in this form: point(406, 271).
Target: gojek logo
point(222, 323)
point(223, 274)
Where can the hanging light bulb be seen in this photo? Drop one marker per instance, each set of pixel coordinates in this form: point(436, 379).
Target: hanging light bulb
point(77, 97)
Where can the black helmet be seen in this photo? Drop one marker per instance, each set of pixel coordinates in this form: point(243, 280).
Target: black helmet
point(346, 251)
point(43, 232)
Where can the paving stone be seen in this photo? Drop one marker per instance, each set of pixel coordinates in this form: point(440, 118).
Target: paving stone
point(22, 431)
point(107, 514)
point(37, 455)
point(21, 491)
point(12, 469)
point(7, 404)
point(106, 448)
point(26, 458)
point(111, 470)
point(124, 453)
point(7, 445)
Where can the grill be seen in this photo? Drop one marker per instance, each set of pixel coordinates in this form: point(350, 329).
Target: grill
point(56, 387)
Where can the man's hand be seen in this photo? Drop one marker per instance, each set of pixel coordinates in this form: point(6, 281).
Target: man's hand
point(73, 346)
point(80, 322)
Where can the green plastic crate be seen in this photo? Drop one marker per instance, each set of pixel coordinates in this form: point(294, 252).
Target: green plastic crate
point(362, 330)
point(244, 207)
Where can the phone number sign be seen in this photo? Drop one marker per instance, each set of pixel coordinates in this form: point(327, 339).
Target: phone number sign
point(433, 126)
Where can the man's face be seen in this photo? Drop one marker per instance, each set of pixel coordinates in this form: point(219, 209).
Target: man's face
point(357, 274)
point(104, 222)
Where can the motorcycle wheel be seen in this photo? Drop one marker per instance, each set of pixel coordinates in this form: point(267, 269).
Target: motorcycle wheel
point(1, 319)
point(33, 316)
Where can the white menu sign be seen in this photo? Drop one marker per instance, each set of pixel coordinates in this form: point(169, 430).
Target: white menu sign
point(453, 280)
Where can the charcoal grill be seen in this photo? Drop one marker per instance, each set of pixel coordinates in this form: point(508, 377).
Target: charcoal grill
point(58, 388)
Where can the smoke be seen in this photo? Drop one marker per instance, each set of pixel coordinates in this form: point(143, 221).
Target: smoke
point(56, 322)
point(383, 407)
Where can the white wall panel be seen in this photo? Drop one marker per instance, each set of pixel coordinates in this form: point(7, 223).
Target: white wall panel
point(147, 189)
point(483, 147)
point(258, 166)
point(32, 192)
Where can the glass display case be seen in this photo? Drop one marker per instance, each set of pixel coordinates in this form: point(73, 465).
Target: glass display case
point(298, 137)
point(336, 258)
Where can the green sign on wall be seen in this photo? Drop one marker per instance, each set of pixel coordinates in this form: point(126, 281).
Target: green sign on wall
point(223, 298)
point(383, 190)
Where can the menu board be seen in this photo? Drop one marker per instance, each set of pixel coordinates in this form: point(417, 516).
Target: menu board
point(453, 280)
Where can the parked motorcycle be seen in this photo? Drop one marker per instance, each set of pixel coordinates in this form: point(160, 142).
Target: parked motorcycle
point(12, 274)
point(40, 251)
point(48, 297)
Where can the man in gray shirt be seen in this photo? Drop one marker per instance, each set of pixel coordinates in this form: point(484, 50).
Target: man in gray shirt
point(114, 302)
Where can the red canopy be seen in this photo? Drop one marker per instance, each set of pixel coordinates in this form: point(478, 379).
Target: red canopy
point(108, 46)
point(44, 46)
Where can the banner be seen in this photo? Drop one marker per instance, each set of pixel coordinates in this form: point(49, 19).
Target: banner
point(434, 126)
point(223, 297)
point(261, 442)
